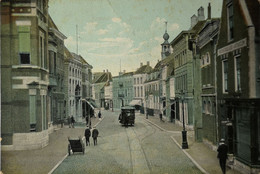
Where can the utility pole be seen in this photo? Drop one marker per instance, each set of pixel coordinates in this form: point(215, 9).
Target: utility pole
point(77, 39)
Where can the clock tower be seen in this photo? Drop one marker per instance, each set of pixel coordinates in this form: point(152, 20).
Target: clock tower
point(166, 50)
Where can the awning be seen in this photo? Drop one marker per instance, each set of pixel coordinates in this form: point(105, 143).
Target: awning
point(135, 102)
point(92, 104)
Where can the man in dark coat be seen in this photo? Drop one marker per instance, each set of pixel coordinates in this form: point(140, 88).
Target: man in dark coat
point(72, 121)
point(95, 135)
point(87, 135)
point(222, 155)
point(99, 114)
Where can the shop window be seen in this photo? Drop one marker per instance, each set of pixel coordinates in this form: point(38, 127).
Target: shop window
point(243, 134)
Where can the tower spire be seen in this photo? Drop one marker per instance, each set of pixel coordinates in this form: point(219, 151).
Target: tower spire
point(166, 26)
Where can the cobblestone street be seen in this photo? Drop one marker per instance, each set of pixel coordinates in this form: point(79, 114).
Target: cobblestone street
point(139, 149)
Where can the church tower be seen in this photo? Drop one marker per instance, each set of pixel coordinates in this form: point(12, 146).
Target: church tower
point(166, 51)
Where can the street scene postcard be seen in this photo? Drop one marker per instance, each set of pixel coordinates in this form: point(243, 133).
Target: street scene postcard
point(130, 87)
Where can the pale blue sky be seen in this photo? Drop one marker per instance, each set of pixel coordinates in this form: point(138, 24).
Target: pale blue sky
point(130, 30)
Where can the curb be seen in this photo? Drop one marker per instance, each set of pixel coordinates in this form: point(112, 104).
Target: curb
point(162, 129)
point(57, 165)
point(186, 153)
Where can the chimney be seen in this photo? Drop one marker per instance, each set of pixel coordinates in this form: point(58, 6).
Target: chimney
point(209, 11)
point(124, 71)
point(201, 16)
point(104, 71)
point(194, 20)
point(141, 64)
point(107, 70)
point(148, 63)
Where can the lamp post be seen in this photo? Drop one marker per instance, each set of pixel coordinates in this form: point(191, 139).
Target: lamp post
point(184, 132)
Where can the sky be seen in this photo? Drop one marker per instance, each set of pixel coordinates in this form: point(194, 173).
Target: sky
point(118, 35)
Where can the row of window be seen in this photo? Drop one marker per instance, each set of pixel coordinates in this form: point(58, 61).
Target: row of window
point(152, 87)
point(138, 91)
point(208, 107)
point(73, 84)
point(75, 72)
point(181, 58)
point(181, 82)
point(205, 60)
point(138, 80)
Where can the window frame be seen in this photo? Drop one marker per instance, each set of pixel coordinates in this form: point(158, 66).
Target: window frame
point(224, 81)
point(230, 31)
point(237, 88)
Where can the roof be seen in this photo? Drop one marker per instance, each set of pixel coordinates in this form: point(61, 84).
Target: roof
point(67, 53)
point(128, 74)
point(196, 28)
point(144, 69)
point(51, 23)
point(102, 77)
point(177, 38)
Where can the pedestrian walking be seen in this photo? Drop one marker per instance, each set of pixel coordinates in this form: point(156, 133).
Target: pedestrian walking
point(99, 114)
point(95, 135)
point(222, 155)
point(87, 135)
point(160, 117)
point(72, 121)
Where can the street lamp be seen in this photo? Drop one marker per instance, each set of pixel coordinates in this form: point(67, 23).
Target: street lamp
point(184, 132)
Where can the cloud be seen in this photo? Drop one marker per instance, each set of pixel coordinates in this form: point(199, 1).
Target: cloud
point(116, 20)
point(90, 26)
point(102, 31)
point(158, 24)
point(174, 27)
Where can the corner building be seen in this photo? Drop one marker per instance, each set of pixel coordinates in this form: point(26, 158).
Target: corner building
point(24, 71)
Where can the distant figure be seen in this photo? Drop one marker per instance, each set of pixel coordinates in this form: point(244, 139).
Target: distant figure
point(69, 121)
point(222, 155)
point(99, 114)
point(87, 135)
point(160, 117)
point(72, 121)
point(95, 135)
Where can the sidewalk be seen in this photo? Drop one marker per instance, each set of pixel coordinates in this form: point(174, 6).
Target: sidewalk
point(203, 157)
point(42, 161)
